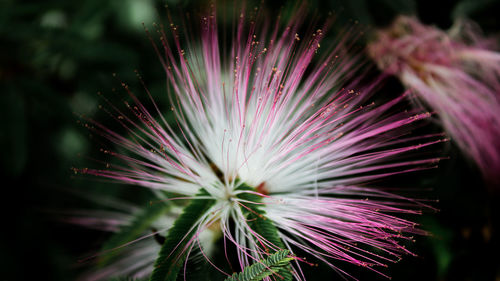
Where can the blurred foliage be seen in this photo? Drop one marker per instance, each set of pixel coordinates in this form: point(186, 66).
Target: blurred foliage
point(55, 55)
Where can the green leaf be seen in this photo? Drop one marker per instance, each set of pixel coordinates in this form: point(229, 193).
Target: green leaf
point(172, 255)
point(274, 264)
point(263, 226)
point(130, 232)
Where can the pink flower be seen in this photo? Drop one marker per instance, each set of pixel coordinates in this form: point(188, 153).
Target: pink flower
point(275, 113)
point(455, 73)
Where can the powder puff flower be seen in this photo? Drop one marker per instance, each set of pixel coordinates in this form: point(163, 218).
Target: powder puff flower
point(275, 145)
point(457, 74)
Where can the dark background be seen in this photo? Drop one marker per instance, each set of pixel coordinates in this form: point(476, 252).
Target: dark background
point(54, 57)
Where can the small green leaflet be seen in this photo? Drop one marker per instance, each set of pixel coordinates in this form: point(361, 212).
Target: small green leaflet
point(274, 264)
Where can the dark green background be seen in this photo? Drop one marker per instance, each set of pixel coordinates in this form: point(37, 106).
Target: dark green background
point(54, 57)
